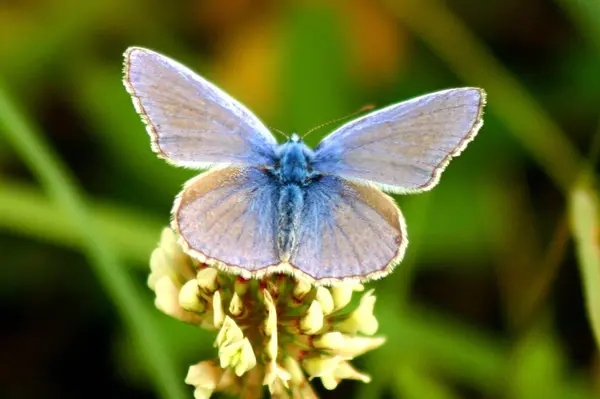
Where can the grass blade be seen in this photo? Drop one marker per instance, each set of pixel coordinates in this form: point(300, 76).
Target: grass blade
point(583, 208)
point(122, 290)
point(25, 211)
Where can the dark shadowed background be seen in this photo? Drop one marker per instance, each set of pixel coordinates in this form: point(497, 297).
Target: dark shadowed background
point(489, 303)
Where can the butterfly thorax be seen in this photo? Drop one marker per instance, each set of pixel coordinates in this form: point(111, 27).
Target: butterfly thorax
point(294, 166)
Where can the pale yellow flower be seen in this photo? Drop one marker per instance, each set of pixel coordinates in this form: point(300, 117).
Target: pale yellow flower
point(276, 332)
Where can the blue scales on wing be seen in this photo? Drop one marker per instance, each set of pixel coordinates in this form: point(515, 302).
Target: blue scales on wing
point(191, 122)
point(404, 147)
point(228, 215)
point(348, 231)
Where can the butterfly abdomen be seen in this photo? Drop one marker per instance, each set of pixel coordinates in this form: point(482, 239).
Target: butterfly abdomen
point(290, 206)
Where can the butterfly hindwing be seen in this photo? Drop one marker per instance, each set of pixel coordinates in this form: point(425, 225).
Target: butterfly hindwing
point(228, 216)
point(348, 231)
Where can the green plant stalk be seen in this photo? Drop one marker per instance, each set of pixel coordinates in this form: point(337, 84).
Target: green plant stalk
point(584, 212)
point(25, 211)
point(583, 208)
point(464, 53)
point(120, 287)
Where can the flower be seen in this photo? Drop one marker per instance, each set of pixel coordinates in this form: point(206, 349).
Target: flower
point(278, 331)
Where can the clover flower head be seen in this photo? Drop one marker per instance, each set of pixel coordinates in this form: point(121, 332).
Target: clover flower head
point(277, 332)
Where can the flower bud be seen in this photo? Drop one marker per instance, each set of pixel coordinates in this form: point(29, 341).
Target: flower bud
point(207, 280)
point(312, 322)
point(189, 298)
point(236, 306)
point(325, 299)
point(218, 313)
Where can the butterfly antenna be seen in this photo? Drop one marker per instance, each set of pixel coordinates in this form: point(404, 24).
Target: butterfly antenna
point(280, 132)
point(367, 107)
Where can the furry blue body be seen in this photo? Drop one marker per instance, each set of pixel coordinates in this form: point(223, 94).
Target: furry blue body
point(292, 172)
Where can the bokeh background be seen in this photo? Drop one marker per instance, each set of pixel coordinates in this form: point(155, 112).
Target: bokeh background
point(491, 299)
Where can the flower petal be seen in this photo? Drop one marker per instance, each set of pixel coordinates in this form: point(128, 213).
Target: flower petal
point(229, 333)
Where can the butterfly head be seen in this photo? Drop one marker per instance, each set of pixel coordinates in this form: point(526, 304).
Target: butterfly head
point(294, 138)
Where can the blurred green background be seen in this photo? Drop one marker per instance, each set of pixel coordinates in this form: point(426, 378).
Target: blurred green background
point(491, 299)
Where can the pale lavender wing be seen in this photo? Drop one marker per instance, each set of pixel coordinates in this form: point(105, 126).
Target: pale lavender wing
point(406, 146)
point(191, 122)
point(348, 232)
point(226, 217)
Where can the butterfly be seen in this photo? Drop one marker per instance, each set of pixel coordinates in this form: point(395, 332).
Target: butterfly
point(263, 207)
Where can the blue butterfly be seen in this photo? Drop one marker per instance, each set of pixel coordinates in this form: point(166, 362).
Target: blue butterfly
point(265, 207)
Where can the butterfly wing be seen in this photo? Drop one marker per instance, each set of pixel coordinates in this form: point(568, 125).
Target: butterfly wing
point(404, 147)
point(227, 217)
point(191, 122)
point(348, 232)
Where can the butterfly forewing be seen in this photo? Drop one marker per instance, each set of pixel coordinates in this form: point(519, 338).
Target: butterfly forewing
point(191, 122)
point(406, 146)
